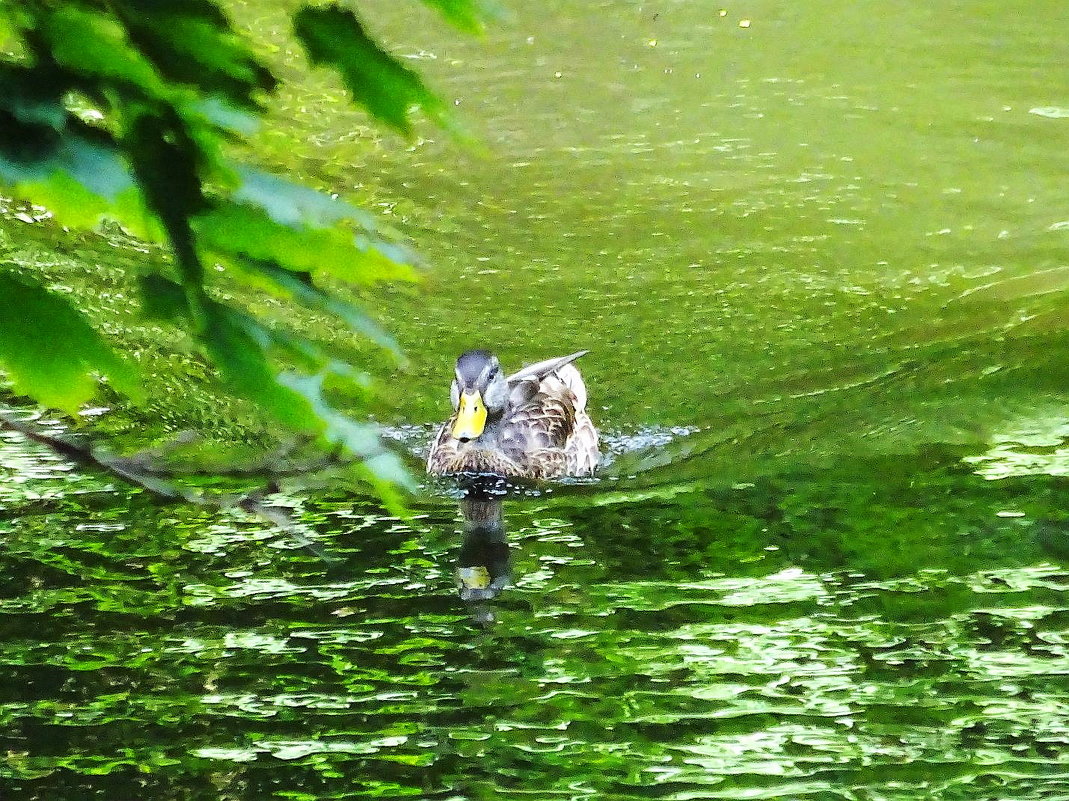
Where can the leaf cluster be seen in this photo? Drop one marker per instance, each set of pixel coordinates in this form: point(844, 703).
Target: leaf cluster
point(126, 109)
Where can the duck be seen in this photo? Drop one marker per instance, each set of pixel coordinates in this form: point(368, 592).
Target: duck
point(532, 424)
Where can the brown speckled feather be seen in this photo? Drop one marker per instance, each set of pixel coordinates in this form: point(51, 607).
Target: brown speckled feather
point(543, 436)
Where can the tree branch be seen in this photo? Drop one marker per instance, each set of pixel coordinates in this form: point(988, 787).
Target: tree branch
point(134, 471)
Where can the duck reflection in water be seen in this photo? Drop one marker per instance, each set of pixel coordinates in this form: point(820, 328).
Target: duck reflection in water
point(483, 564)
point(532, 424)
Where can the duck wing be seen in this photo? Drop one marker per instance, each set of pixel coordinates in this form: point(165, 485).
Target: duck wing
point(539, 370)
point(526, 383)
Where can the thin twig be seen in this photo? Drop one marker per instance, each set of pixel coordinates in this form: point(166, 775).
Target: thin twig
point(280, 463)
point(132, 471)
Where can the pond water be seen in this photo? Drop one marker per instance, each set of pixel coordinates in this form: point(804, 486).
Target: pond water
point(818, 254)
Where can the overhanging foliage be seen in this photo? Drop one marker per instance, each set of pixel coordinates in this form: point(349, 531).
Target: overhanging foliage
point(125, 109)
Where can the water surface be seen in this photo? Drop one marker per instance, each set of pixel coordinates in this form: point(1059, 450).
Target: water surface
point(819, 260)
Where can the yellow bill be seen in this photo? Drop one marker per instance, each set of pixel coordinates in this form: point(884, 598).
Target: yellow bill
point(471, 416)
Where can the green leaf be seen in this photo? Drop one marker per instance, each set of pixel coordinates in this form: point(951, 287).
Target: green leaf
point(33, 96)
point(51, 352)
point(216, 53)
point(241, 230)
point(76, 179)
point(468, 15)
point(52, 157)
point(291, 204)
point(224, 116)
point(299, 287)
point(238, 345)
point(388, 90)
point(7, 33)
point(361, 439)
point(165, 164)
point(94, 44)
point(163, 299)
point(96, 165)
point(191, 42)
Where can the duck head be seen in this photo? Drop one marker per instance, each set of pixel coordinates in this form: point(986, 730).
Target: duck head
point(479, 392)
